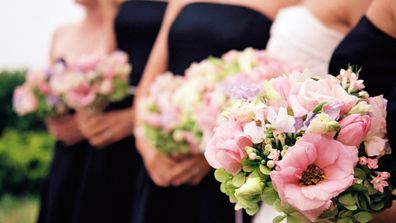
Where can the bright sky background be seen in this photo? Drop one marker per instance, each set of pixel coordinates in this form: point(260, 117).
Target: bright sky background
point(26, 28)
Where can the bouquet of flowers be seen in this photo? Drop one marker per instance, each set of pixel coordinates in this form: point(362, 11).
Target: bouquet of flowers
point(308, 146)
point(179, 114)
point(91, 82)
point(94, 82)
point(36, 97)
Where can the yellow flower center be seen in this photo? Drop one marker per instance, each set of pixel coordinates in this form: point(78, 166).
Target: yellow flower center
point(312, 175)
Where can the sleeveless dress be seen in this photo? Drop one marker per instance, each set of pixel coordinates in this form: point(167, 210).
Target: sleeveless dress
point(61, 187)
point(298, 37)
point(106, 193)
point(201, 30)
point(374, 51)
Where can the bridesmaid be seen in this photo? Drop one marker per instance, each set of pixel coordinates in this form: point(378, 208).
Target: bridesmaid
point(92, 35)
point(307, 34)
point(111, 166)
point(136, 26)
point(185, 190)
point(371, 45)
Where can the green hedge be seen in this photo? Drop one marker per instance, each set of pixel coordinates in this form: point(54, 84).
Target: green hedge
point(24, 161)
point(8, 81)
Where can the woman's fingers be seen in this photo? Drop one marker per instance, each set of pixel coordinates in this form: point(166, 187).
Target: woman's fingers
point(183, 172)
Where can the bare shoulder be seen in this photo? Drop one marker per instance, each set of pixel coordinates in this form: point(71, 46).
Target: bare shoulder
point(60, 36)
point(383, 14)
point(65, 29)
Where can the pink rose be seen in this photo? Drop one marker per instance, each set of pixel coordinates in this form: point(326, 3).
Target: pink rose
point(312, 92)
point(34, 77)
point(375, 141)
point(330, 161)
point(354, 129)
point(24, 101)
point(81, 96)
point(206, 116)
point(226, 148)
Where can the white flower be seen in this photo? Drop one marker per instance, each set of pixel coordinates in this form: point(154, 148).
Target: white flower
point(255, 130)
point(281, 121)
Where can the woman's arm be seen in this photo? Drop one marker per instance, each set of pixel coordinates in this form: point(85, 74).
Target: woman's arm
point(158, 59)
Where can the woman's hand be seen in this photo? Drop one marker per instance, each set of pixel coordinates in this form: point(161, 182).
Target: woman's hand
point(65, 129)
point(158, 165)
point(103, 129)
point(191, 170)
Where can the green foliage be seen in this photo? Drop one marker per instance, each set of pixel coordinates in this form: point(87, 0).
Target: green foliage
point(8, 81)
point(18, 209)
point(24, 159)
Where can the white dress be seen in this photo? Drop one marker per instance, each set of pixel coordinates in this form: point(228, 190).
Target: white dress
point(299, 38)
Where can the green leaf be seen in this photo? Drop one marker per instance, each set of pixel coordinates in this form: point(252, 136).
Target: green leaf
point(361, 202)
point(319, 107)
point(278, 219)
point(239, 179)
point(345, 214)
point(269, 195)
point(347, 199)
point(294, 219)
point(378, 206)
point(345, 220)
point(360, 188)
point(351, 207)
point(363, 217)
point(329, 213)
point(221, 175)
point(359, 173)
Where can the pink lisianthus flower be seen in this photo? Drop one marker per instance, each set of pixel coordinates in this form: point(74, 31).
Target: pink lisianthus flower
point(312, 92)
point(372, 163)
point(354, 129)
point(226, 148)
point(375, 142)
point(350, 81)
point(379, 182)
point(329, 161)
point(363, 161)
point(24, 100)
point(81, 96)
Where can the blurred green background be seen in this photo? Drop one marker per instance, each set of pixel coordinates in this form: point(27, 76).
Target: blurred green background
point(25, 153)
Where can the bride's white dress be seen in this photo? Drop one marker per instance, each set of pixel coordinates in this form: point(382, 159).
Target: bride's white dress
point(299, 38)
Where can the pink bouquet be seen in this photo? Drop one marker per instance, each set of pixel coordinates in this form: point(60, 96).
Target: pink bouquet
point(92, 83)
point(179, 115)
point(308, 146)
point(36, 96)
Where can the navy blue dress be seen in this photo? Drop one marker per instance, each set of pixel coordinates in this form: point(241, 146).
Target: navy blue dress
point(375, 52)
point(61, 187)
point(110, 174)
point(199, 31)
